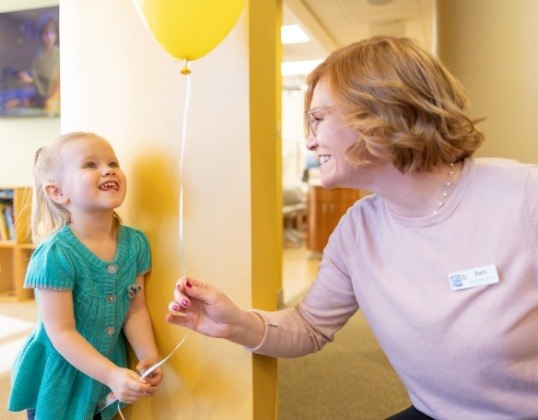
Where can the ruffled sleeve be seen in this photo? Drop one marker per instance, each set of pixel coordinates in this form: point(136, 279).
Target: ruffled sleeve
point(143, 258)
point(50, 268)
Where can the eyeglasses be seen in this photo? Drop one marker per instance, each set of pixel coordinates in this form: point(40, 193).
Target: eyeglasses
point(313, 119)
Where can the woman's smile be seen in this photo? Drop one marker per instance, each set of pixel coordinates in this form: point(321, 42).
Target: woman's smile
point(324, 159)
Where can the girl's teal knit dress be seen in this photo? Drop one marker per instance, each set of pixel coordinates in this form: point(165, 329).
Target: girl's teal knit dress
point(41, 377)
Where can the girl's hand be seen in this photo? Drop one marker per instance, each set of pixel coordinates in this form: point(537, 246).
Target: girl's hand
point(154, 378)
point(202, 308)
point(127, 386)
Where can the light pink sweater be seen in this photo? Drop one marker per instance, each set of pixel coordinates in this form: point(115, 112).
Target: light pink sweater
point(467, 354)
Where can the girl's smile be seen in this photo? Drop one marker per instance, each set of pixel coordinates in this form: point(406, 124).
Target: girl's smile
point(109, 185)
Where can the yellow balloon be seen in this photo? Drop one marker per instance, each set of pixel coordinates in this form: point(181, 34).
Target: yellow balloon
point(189, 29)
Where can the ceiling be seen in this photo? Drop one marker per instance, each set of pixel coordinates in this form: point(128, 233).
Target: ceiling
point(331, 24)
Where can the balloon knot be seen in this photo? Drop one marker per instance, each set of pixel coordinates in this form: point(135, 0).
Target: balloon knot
point(185, 70)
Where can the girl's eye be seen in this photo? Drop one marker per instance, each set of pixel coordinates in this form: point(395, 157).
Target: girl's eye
point(90, 165)
point(114, 165)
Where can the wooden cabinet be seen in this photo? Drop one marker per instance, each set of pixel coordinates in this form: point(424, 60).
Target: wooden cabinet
point(325, 208)
point(15, 242)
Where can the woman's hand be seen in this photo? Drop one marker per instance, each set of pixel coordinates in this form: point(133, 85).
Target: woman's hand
point(202, 308)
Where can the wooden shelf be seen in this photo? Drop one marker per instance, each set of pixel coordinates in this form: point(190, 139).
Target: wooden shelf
point(15, 253)
point(7, 244)
point(10, 296)
point(325, 208)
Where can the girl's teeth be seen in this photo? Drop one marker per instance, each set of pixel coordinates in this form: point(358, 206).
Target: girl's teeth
point(324, 159)
point(108, 186)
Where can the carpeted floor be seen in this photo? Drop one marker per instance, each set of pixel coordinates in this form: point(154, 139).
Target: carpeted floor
point(349, 379)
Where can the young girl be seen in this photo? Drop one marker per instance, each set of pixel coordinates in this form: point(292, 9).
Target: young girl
point(88, 273)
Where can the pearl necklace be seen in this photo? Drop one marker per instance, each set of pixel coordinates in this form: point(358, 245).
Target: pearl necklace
point(446, 189)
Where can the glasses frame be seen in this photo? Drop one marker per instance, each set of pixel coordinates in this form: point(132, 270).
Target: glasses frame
point(312, 120)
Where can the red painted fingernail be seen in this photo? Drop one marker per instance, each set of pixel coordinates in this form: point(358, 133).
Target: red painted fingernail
point(175, 308)
point(188, 283)
point(185, 303)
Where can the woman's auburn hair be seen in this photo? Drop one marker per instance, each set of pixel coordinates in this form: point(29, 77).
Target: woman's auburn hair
point(406, 106)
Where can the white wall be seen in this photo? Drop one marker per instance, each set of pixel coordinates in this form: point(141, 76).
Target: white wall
point(119, 83)
point(21, 137)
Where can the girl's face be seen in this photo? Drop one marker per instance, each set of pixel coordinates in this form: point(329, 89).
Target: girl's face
point(330, 139)
point(91, 179)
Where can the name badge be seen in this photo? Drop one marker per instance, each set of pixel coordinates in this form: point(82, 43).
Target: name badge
point(474, 277)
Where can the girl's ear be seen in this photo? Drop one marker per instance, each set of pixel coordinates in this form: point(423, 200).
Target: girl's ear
point(54, 192)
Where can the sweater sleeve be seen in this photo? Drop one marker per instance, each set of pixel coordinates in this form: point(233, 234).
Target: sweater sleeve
point(329, 304)
point(143, 256)
point(287, 334)
point(531, 213)
point(50, 268)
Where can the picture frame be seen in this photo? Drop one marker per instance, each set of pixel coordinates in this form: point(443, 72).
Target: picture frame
point(30, 63)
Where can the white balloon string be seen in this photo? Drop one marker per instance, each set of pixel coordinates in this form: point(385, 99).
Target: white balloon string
point(119, 411)
point(181, 185)
point(163, 361)
point(111, 399)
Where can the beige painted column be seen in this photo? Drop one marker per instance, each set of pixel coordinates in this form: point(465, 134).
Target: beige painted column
point(118, 82)
point(492, 47)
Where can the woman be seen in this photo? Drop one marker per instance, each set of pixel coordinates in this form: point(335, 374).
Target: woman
point(46, 70)
point(442, 258)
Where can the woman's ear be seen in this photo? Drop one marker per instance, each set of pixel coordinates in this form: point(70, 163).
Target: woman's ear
point(54, 192)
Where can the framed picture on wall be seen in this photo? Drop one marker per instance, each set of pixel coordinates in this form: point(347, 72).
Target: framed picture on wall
point(30, 63)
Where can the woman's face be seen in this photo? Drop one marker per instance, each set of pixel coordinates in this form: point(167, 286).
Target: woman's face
point(330, 139)
point(49, 35)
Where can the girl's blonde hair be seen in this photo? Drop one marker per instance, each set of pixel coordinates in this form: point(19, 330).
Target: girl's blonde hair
point(406, 106)
point(47, 215)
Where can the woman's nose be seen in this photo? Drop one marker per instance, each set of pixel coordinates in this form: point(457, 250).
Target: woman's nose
point(311, 142)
